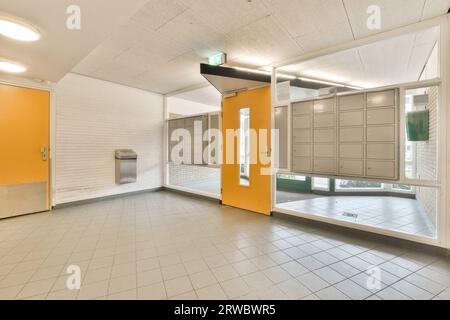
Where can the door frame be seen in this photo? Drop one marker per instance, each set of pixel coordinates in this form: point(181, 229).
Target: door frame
point(27, 84)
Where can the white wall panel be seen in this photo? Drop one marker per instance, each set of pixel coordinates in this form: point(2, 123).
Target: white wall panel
point(93, 118)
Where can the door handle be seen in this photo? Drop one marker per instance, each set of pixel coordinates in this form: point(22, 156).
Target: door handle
point(44, 153)
point(268, 153)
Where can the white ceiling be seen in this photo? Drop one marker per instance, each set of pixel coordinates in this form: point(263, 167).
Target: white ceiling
point(60, 49)
point(392, 61)
point(160, 47)
point(207, 95)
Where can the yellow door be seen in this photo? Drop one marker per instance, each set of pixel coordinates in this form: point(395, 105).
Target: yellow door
point(247, 185)
point(24, 141)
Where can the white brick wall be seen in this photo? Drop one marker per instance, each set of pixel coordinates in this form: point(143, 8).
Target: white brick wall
point(93, 118)
point(426, 157)
point(182, 174)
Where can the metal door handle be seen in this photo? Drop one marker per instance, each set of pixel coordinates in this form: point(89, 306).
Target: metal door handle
point(44, 153)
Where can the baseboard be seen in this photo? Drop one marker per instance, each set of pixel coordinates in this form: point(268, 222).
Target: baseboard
point(192, 195)
point(112, 197)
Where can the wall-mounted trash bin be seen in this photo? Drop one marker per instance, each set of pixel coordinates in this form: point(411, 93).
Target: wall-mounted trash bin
point(126, 166)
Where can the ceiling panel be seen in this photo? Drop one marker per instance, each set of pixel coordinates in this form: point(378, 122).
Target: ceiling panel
point(167, 76)
point(207, 95)
point(260, 43)
point(435, 8)
point(156, 13)
point(59, 48)
point(394, 14)
point(397, 60)
point(301, 17)
point(160, 47)
point(225, 17)
point(321, 39)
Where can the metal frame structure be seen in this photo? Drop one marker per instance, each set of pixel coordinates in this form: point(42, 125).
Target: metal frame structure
point(443, 230)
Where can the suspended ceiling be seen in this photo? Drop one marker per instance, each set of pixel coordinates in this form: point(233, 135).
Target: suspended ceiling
point(397, 60)
point(160, 44)
point(59, 50)
point(160, 47)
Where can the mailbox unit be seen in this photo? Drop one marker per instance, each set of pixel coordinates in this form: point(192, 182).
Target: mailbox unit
point(354, 135)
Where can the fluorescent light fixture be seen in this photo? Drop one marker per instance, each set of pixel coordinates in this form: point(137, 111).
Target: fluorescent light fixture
point(329, 83)
point(11, 67)
point(252, 70)
point(333, 84)
point(265, 72)
point(18, 30)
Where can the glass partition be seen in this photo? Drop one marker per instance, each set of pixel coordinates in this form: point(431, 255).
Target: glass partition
point(384, 168)
point(244, 147)
point(193, 147)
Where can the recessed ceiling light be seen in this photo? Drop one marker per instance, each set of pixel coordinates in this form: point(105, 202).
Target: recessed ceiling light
point(18, 30)
point(11, 67)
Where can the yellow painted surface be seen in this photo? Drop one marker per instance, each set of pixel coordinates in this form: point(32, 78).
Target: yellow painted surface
point(256, 197)
point(24, 129)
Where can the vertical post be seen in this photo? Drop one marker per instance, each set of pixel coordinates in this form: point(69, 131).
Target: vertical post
point(443, 218)
point(402, 136)
point(165, 147)
point(273, 183)
point(52, 147)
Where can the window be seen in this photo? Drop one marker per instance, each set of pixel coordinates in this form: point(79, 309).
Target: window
point(291, 177)
point(321, 184)
point(358, 185)
point(402, 188)
point(244, 147)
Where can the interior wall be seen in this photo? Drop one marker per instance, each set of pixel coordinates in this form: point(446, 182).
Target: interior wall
point(181, 174)
point(426, 161)
point(93, 118)
point(182, 107)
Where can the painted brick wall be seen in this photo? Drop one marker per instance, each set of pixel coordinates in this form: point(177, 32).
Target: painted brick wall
point(426, 157)
point(180, 175)
point(93, 118)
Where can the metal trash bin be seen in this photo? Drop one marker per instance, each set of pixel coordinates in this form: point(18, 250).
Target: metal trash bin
point(126, 166)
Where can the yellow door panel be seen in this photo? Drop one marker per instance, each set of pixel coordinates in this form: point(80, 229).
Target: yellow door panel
point(256, 196)
point(24, 132)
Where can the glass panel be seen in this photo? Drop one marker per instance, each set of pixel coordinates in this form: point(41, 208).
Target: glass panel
point(291, 177)
point(321, 184)
point(244, 147)
point(401, 187)
point(357, 185)
point(422, 129)
point(411, 212)
point(397, 53)
point(192, 167)
point(196, 178)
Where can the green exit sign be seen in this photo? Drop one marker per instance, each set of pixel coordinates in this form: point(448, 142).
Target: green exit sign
point(218, 59)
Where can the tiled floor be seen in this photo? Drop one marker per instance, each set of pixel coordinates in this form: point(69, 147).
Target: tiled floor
point(167, 246)
point(289, 196)
point(392, 213)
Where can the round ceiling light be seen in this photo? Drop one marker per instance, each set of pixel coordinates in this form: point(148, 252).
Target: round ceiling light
point(11, 67)
point(18, 30)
